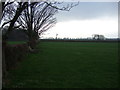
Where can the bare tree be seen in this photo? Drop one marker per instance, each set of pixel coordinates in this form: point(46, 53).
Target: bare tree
point(37, 19)
point(11, 12)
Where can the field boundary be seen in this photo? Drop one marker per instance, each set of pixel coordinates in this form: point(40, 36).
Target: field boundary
point(61, 40)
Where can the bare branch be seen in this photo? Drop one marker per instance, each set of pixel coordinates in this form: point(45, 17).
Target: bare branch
point(64, 8)
point(5, 24)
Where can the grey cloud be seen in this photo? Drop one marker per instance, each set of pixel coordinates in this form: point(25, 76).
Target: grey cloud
point(90, 10)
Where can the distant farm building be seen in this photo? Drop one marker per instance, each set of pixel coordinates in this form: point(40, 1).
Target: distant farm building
point(98, 37)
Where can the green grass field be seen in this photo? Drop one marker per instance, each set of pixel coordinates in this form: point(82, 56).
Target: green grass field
point(16, 42)
point(68, 65)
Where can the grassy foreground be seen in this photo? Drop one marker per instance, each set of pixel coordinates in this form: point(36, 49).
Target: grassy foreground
point(68, 65)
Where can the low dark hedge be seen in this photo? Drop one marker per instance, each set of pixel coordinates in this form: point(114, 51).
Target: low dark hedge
point(14, 54)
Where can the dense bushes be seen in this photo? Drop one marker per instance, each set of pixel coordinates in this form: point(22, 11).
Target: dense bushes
point(14, 54)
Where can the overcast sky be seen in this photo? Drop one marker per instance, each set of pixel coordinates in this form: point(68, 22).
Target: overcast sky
point(86, 19)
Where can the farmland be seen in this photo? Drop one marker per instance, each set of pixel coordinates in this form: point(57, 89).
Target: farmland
point(68, 65)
